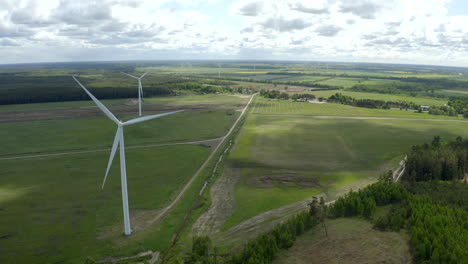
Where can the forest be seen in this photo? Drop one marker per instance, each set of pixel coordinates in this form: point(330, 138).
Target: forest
point(437, 161)
point(18, 89)
point(370, 103)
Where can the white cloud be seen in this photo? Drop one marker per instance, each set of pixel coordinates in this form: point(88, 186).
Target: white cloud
point(416, 31)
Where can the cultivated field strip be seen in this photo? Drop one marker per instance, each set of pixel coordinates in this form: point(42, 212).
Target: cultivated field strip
point(263, 106)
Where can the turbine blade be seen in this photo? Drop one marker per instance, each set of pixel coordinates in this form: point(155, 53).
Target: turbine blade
point(129, 75)
point(145, 118)
point(99, 104)
point(112, 155)
point(141, 77)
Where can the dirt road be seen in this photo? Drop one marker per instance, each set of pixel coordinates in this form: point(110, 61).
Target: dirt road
point(189, 183)
point(222, 206)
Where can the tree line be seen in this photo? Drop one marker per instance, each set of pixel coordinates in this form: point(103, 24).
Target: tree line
point(437, 161)
point(370, 103)
point(38, 89)
point(274, 94)
point(260, 250)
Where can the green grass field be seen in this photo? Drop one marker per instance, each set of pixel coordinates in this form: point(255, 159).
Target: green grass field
point(349, 240)
point(92, 133)
point(288, 158)
point(287, 107)
point(52, 209)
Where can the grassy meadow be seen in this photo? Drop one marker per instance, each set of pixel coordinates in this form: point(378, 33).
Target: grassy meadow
point(288, 107)
point(287, 158)
point(93, 133)
point(53, 209)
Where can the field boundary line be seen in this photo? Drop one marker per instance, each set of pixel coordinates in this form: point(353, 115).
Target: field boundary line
point(108, 149)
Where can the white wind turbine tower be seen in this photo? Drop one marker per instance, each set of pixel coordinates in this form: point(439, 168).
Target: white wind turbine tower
point(119, 140)
point(140, 89)
point(219, 70)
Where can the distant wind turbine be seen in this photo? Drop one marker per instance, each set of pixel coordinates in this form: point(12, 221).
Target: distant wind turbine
point(219, 70)
point(119, 141)
point(140, 89)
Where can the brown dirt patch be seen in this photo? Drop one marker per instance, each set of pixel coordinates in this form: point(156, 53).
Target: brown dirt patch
point(222, 203)
point(349, 240)
point(140, 220)
point(283, 180)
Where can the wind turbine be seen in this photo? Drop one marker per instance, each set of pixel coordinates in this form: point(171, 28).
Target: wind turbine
point(140, 89)
point(119, 140)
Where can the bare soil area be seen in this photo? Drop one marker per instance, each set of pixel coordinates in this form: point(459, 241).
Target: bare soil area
point(222, 206)
point(285, 180)
point(349, 240)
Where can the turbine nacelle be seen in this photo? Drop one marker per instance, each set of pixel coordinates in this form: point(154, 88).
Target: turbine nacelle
point(140, 88)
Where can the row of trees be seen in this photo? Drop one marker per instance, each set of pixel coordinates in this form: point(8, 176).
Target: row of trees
point(19, 89)
point(260, 250)
point(437, 161)
point(302, 97)
point(442, 110)
point(370, 103)
point(365, 201)
point(454, 107)
point(277, 81)
point(274, 94)
point(264, 248)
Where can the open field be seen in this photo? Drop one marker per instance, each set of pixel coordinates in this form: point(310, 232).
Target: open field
point(284, 159)
point(52, 208)
point(343, 82)
point(211, 121)
point(98, 132)
point(284, 107)
point(54, 211)
point(349, 240)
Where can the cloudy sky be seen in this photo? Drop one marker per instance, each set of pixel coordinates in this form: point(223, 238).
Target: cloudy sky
point(392, 31)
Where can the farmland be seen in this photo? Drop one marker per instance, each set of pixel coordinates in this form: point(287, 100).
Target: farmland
point(283, 152)
point(281, 107)
point(53, 208)
point(286, 158)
